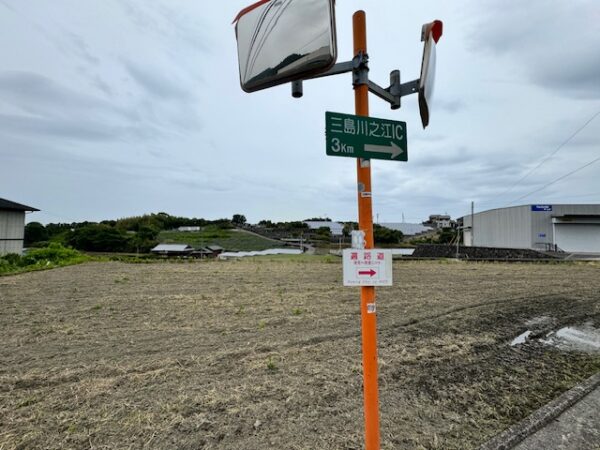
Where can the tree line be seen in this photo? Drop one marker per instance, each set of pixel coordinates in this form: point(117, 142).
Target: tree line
point(130, 234)
point(140, 233)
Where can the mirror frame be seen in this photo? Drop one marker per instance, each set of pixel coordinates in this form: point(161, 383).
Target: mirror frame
point(430, 34)
point(305, 74)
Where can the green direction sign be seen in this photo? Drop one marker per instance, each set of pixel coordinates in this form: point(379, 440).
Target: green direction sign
point(365, 137)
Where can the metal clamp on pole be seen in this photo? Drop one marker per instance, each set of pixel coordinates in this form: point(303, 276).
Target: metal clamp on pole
point(360, 69)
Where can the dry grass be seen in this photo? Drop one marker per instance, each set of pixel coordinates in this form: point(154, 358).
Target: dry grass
point(266, 354)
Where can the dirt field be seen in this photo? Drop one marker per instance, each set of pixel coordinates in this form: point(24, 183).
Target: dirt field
point(266, 354)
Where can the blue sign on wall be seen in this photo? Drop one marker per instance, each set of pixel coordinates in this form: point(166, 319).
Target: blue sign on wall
point(544, 208)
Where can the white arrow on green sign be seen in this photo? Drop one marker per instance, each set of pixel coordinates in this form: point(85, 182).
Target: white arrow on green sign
point(365, 137)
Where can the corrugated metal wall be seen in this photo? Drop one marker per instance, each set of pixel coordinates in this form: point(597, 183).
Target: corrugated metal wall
point(521, 226)
point(541, 221)
point(12, 226)
point(504, 228)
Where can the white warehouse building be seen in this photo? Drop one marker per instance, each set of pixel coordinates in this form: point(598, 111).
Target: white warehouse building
point(569, 228)
point(12, 226)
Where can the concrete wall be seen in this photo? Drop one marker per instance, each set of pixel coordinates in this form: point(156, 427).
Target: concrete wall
point(12, 230)
point(503, 228)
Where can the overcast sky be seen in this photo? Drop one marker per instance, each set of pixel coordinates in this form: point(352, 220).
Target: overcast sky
point(115, 108)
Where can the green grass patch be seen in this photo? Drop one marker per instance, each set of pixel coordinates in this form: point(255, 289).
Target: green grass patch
point(230, 240)
point(55, 255)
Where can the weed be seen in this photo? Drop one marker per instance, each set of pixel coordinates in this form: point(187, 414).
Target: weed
point(262, 324)
point(96, 307)
point(271, 365)
point(27, 402)
point(297, 311)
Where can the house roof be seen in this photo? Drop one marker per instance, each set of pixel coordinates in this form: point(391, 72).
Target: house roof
point(172, 248)
point(14, 206)
point(214, 248)
point(202, 250)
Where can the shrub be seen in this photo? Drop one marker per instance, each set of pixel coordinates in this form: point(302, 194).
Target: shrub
point(55, 255)
point(384, 235)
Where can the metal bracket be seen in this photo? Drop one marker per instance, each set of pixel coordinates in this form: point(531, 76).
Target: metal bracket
point(359, 66)
point(412, 87)
point(395, 91)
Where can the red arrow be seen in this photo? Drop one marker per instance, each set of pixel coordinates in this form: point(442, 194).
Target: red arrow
point(367, 272)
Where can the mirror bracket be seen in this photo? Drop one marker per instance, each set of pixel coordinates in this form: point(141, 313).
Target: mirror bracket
point(359, 66)
point(412, 87)
point(395, 91)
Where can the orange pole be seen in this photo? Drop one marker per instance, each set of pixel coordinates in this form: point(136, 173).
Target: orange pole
point(365, 223)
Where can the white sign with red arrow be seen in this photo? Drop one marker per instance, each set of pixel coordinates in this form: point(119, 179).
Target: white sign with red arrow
point(367, 267)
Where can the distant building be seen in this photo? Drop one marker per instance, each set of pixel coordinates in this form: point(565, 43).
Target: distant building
point(570, 228)
point(188, 229)
point(336, 228)
point(439, 221)
point(407, 229)
point(172, 250)
point(202, 253)
point(216, 250)
point(12, 226)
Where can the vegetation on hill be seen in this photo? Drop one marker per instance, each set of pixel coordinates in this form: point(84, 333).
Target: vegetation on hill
point(231, 240)
point(130, 234)
point(382, 235)
point(139, 234)
point(294, 228)
point(441, 236)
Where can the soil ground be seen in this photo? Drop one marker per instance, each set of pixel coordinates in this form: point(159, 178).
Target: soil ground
point(265, 353)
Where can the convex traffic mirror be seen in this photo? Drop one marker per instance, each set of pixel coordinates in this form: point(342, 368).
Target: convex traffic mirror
point(285, 40)
point(430, 35)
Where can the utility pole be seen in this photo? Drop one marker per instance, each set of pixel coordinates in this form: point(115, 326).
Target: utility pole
point(365, 223)
point(472, 224)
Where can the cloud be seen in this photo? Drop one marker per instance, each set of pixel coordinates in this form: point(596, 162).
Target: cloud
point(42, 107)
point(81, 49)
point(60, 128)
point(553, 43)
point(37, 94)
point(181, 25)
point(156, 84)
point(449, 105)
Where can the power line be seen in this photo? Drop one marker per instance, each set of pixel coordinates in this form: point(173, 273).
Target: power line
point(556, 180)
point(549, 156)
